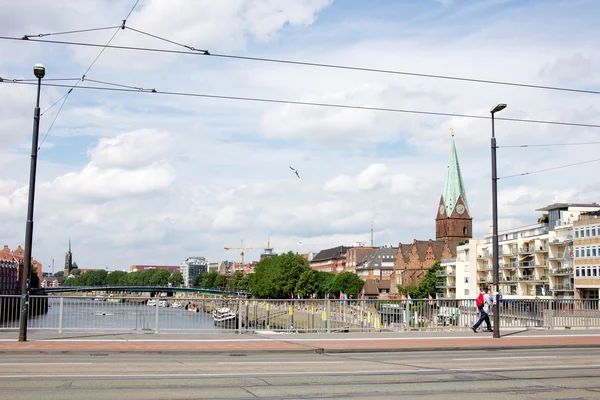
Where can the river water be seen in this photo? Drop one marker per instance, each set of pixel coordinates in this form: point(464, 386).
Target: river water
point(86, 315)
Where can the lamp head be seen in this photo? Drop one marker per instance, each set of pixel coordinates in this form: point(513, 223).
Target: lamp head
point(39, 71)
point(499, 107)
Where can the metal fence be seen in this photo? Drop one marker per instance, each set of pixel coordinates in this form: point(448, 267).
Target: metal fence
point(218, 315)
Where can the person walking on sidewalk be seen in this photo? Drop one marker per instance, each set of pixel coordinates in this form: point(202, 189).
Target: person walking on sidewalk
point(484, 303)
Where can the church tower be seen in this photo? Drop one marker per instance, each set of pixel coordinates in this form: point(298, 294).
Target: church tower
point(453, 221)
point(68, 260)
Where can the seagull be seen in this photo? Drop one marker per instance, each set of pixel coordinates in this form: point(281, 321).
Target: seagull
point(295, 171)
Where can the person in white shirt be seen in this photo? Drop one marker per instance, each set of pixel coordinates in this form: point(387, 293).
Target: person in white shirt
point(484, 311)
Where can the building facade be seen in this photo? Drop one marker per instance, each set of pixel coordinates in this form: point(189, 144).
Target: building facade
point(586, 278)
point(535, 261)
point(191, 268)
point(9, 277)
point(18, 256)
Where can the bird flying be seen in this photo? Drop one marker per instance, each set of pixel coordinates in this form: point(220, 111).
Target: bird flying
point(295, 171)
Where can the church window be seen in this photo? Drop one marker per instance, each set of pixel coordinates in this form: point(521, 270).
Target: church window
point(465, 230)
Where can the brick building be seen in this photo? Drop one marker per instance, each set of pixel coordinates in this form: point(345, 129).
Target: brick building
point(453, 224)
point(331, 260)
point(587, 258)
point(18, 256)
point(9, 277)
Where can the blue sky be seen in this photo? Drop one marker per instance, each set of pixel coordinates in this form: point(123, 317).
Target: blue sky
point(138, 178)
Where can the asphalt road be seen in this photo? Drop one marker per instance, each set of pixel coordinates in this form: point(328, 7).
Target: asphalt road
point(492, 374)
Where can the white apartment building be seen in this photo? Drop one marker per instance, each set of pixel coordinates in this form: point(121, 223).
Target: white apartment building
point(535, 261)
point(191, 268)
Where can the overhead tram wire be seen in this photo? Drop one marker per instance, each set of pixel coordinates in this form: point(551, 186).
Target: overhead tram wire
point(549, 169)
point(547, 144)
point(133, 89)
point(27, 37)
point(66, 96)
point(199, 52)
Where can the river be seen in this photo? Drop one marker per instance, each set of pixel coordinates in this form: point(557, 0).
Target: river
point(85, 315)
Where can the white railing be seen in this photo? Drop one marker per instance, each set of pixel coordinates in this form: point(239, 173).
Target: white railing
point(216, 315)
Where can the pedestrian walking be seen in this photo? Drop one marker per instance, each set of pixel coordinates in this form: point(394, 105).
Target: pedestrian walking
point(484, 304)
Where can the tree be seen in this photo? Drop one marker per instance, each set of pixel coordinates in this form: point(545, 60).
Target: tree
point(176, 279)
point(34, 279)
point(197, 282)
point(276, 277)
point(348, 283)
point(323, 282)
point(209, 280)
point(307, 284)
point(75, 272)
point(116, 278)
point(238, 281)
point(93, 278)
point(159, 277)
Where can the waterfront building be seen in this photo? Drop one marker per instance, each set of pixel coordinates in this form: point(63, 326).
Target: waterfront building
point(535, 261)
point(18, 256)
point(586, 242)
point(191, 268)
point(9, 277)
point(172, 268)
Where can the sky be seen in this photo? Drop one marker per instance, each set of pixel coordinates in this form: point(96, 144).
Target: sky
point(148, 178)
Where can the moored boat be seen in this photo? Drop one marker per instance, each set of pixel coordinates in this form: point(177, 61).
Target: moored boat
point(225, 317)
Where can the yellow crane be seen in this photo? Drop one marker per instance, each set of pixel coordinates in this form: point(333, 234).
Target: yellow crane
point(243, 248)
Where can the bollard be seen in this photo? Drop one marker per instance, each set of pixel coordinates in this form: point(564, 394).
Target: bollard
point(327, 313)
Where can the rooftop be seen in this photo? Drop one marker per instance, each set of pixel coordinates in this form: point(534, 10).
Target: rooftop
point(562, 206)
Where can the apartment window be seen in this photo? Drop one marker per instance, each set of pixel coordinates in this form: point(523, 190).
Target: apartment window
point(576, 232)
point(593, 231)
point(587, 251)
point(594, 251)
point(589, 271)
point(576, 251)
point(466, 292)
point(577, 272)
point(466, 280)
point(595, 271)
point(587, 232)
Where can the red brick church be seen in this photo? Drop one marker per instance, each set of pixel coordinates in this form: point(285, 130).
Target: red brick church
point(453, 224)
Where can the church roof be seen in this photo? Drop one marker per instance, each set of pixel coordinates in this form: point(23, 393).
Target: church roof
point(454, 187)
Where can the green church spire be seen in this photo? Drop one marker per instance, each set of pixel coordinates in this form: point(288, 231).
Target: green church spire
point(454, 187)
point(69, 245)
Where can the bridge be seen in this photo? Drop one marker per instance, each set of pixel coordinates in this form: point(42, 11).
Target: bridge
point(143, 289)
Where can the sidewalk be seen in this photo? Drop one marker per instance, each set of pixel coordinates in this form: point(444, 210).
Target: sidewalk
point(94, 343)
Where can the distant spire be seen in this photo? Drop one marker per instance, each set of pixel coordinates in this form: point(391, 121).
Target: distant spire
point(69, 244)
point(454, 187)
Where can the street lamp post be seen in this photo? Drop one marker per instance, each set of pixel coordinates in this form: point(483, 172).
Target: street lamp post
point(496, 289)
point(39, 72)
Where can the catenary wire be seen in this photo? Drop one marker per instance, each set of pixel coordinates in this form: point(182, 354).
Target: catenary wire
point(322, 65)
point(66, 96)
point(548, 145)
point(331, 105)
point(550, 169)
point(26, 37)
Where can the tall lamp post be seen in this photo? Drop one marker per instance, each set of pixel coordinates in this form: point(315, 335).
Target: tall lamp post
point(496, 288)
point(39, 72)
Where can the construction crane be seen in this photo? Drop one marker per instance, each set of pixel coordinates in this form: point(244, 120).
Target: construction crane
point(242, 249)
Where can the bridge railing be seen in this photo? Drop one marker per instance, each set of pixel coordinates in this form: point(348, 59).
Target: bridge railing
point(187, 314)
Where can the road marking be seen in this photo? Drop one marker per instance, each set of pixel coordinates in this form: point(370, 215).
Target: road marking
point(34, 363)
point(281, 362)
point(501, 358)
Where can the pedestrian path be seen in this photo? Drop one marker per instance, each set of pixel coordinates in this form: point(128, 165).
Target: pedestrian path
point(273, 342)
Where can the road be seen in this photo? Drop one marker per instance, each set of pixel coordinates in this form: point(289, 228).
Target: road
point(491, 374)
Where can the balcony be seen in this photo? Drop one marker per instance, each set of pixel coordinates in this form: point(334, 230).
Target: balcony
point(562, 239)
point(445, 285)
point(444, 273)
point(526, 264)
point(513, 251)
point(486, 267)
point(561, 272)
point(562, 288)
point(485, 254)
point(533, 278)
point(448, 261)
point(525, 250)
point(542, 249)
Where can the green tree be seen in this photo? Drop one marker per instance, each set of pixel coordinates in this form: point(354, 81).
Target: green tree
point(159, 277)
point(197, 281)
point(116, 278)
point(93, 278)
point(176, 279)
point(323, 282)
point(34, 279)
point(75, 272)
point(276, 277)
point(410, 290)
point(238, 281)
point(306, 285)
point(347, 282)
point(209, 280)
